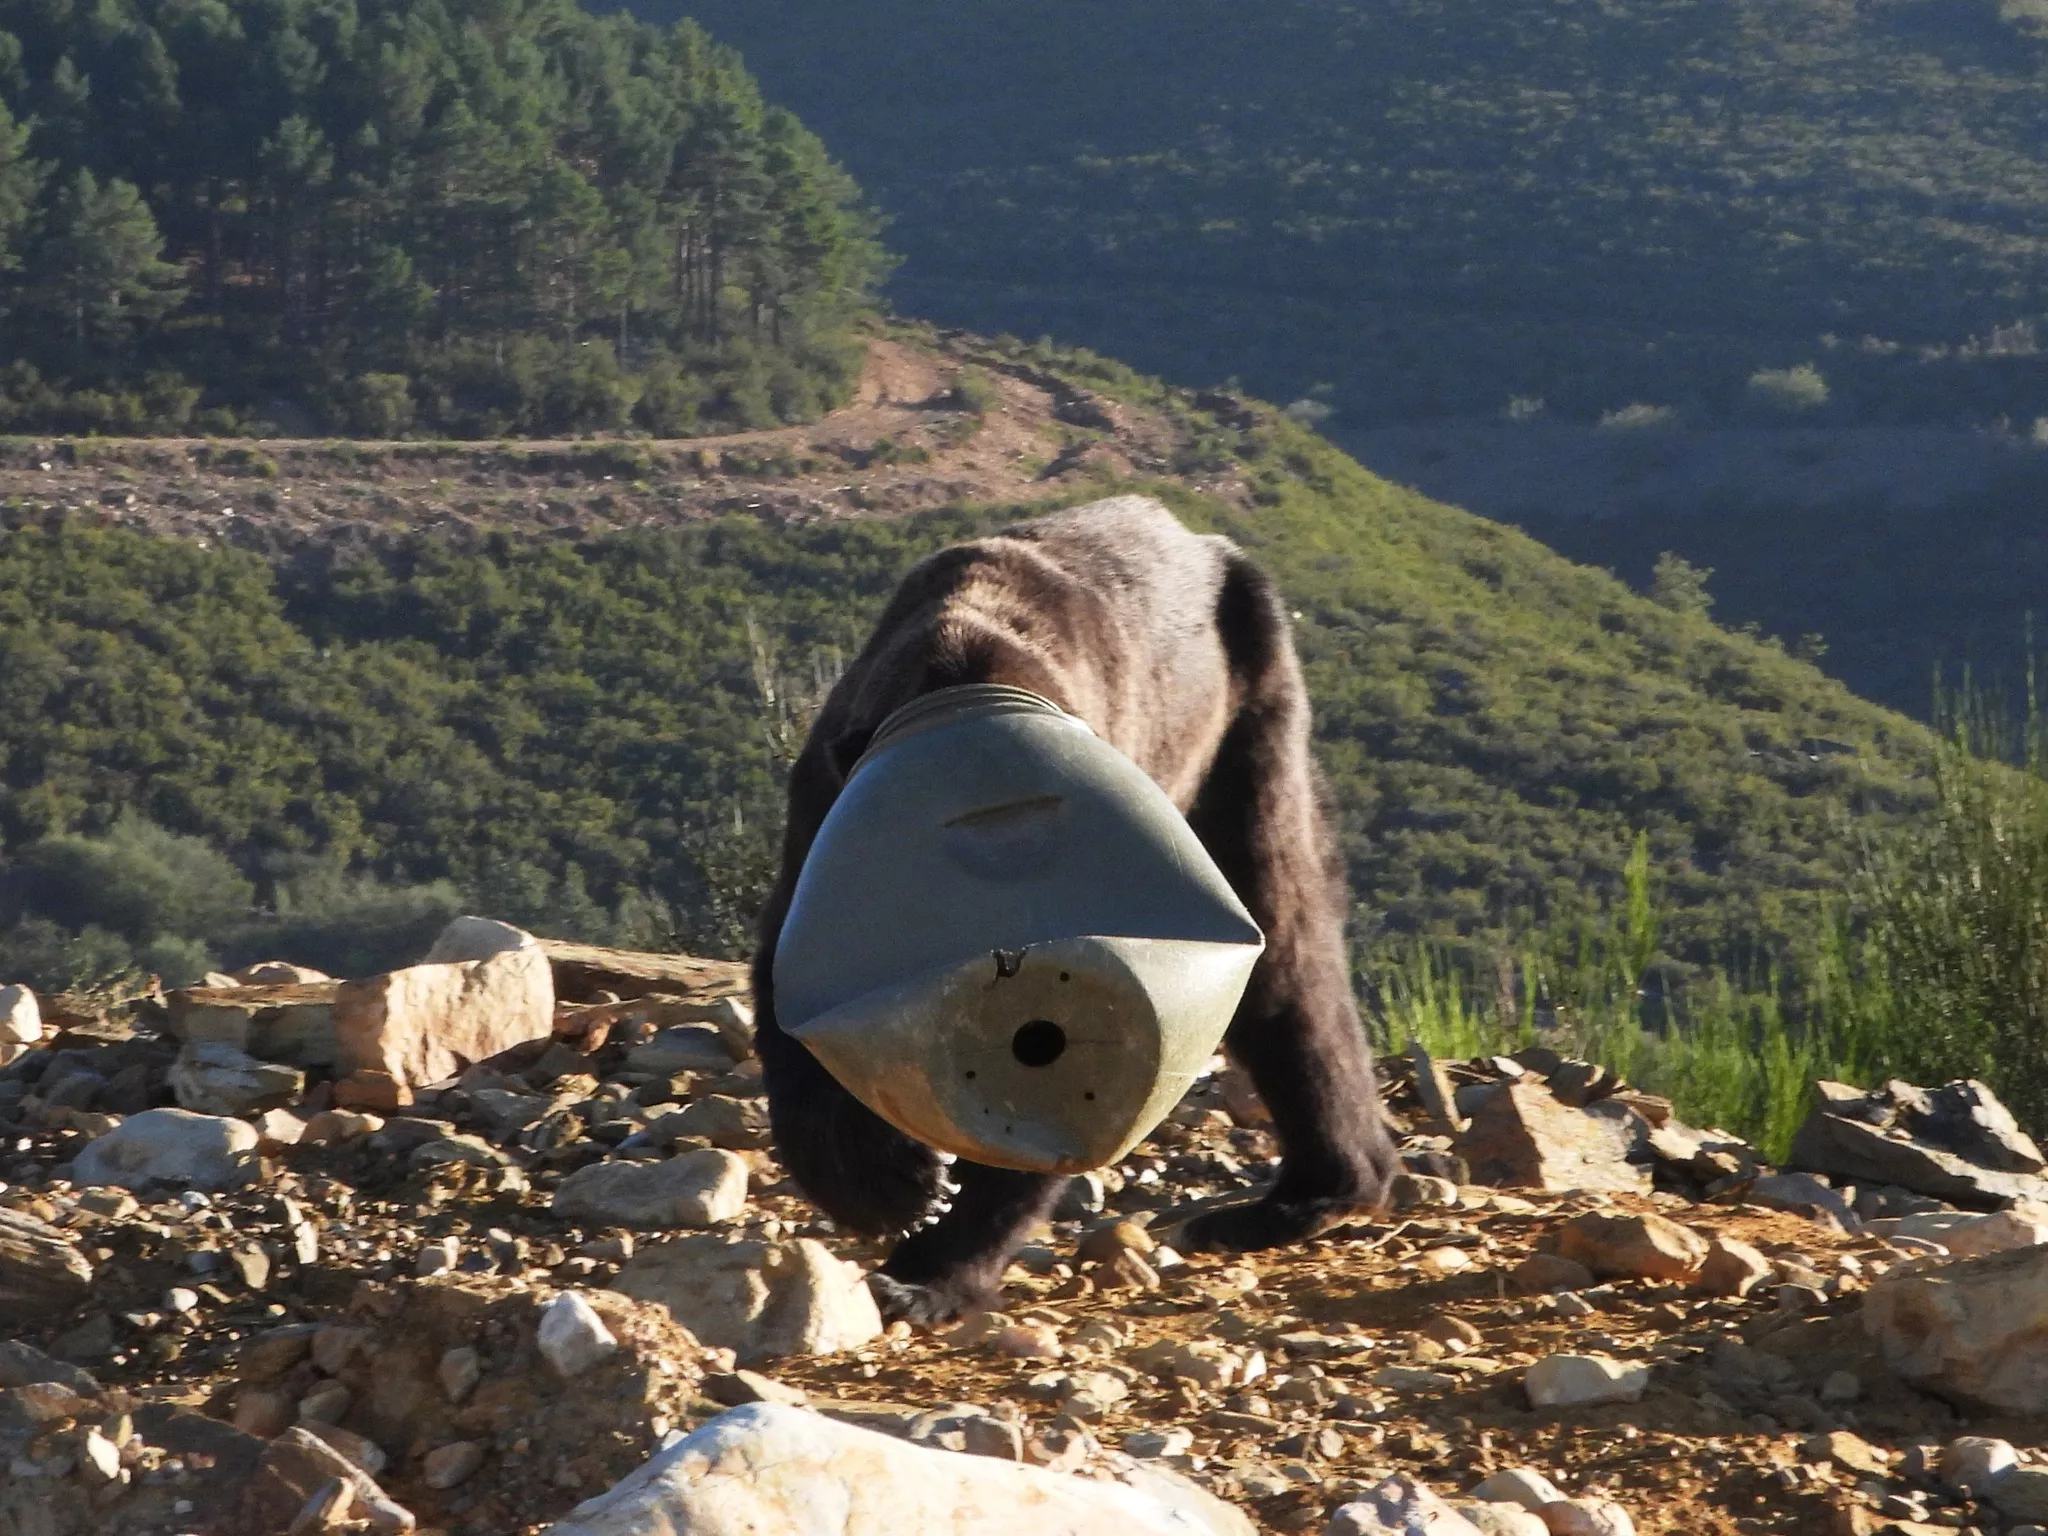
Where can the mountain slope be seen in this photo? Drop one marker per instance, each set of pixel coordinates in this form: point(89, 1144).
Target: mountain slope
point(1803, 239)
point(390, 677)
point(1436, 207)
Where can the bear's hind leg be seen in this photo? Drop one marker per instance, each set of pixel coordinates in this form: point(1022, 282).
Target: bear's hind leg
point(1297, 1030)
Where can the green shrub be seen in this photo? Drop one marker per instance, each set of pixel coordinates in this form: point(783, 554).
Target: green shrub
point(1958, 904)
point(973, 391)
point(1729, 1049)
point(672, 400)
point(135, 880)
point(1789, 391)
point(586, 391)
point(1309, 411)
point(1637, 417)
point(741, 396)
point(219, 421)
point(175, 961)
point(616, 460)
point(253, 462)
point(344, 924)
point(162, 401)
point(378, 404)
point(1676, 583)
point(50, 958)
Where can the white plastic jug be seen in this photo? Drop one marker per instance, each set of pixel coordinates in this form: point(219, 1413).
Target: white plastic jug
point(1006, 941)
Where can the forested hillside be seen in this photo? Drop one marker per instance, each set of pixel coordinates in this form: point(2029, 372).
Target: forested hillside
point(378, 216)
point(585, 733)
point(1439, 209)
point(1690, 275)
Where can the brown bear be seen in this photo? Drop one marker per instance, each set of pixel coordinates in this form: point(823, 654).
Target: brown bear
point(1176, 650)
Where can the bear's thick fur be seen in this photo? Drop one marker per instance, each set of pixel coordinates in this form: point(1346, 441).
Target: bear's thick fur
point(1176, 650)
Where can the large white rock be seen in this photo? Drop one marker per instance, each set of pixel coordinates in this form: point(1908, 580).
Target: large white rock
point(572, 1336)
point(1956, 1142)
point(169, 1146)
point(1518, 1485)
point(21, 1021)
point(477, 938)
point(1732, 1267)
point(760, 1300)
point(1646, 1246)
point(698, 1189)
point(427, 1022)
point(1500, 1519)
point(295, 1467)
point(1968, 1234)
point(279, 973)
point(1399, 1506)
point(1974, 1331)
point(683, 1048)
point(736, 1124)
point(2000, 1232)
point(42, 1274)
point(1587, 1517)
point(769, 1468)
point(211, 1077)
point(1523, 1138)
point(1972, 1463)
point(1577, 1381)
point(735, 1021)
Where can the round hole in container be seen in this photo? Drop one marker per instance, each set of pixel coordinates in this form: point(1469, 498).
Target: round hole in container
point(1038, 1043)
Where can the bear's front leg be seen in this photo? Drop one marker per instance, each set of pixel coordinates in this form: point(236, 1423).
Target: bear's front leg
point(955, 1265)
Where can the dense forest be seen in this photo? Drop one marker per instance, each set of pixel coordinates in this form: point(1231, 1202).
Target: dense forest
point(380, 216)
point(1440, 210)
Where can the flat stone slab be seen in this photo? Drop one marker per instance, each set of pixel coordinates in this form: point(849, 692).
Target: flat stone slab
point(761, 1300)
point(768, 1467)
point(583, 970)
point(1974, 1331)
point(1522, 1138)
point(42, 1270)
point(291, 1022)
point(1956, 1143)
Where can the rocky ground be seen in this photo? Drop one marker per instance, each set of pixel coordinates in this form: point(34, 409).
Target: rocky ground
point(938, 419)
point(461, 1247)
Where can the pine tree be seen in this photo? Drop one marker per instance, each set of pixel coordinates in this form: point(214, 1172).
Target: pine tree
point(21, 183)
point(98, 267)
point(466, 201)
